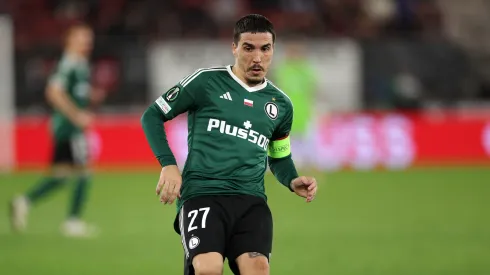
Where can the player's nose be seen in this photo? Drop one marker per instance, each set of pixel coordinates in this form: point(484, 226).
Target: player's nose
point(257, 58)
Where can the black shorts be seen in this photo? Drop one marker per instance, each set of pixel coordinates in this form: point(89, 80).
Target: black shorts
point(230, 225)
point(72, 151)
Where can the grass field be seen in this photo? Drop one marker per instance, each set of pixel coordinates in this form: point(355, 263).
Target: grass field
point(421, 221)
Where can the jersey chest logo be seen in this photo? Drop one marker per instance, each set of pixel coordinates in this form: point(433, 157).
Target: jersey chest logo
point(246, 133)
point(271, 110)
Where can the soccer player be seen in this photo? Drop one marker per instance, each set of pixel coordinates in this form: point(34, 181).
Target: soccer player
point(70, 94)
point(237, 120)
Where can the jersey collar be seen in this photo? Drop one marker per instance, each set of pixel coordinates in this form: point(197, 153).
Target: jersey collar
point(245, 86)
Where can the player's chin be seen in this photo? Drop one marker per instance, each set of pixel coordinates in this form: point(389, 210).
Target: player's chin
point(255, 76)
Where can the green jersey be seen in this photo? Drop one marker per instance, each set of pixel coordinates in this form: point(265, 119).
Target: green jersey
point(230, 129)
point(73, 75)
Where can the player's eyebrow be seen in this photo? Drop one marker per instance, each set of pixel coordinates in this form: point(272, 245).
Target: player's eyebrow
point(246, 44)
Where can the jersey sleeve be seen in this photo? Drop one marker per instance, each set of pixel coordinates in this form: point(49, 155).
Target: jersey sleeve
point(279, 151)
point(181, 97)
point(62, 74)
point(280, 145)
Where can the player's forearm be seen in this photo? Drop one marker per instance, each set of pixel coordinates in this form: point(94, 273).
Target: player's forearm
point(284, 170)
point(60, 102)
point(152, 123)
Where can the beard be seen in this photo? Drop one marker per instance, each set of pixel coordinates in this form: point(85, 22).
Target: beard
point(254, 81)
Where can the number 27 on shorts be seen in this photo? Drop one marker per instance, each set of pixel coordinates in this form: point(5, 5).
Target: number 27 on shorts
point(193, 215)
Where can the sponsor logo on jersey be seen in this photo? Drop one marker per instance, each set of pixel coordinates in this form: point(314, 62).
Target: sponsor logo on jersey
point(244, 133)
point(271, 110)
point(226, 96)
point(172, 94)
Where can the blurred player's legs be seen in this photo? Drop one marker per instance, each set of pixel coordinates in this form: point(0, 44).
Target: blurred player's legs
point(69, 160)
point(74, 226)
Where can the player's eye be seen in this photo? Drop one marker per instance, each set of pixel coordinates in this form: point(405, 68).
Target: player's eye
point(266, 48)
point(248, 49)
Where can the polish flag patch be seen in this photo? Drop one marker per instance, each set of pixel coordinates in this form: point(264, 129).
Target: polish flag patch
point(248, 102)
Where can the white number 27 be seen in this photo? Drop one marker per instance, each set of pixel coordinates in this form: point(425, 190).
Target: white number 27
point(193, 215)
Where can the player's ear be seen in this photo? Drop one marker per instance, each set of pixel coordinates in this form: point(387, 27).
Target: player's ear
point(234, 49)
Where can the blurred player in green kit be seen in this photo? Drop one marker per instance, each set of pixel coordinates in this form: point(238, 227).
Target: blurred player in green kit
point(298, 74)
point(70, 94)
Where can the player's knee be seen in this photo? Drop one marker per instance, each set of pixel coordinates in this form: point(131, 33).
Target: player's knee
point(83, 171)
point(209, 269)
point(253, 265)
point(208, 264)
point(260, 266)
point(61, 171)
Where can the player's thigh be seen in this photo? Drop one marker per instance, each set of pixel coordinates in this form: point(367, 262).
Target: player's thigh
point(62, 164)
point(250, 245)
point(61, 152)
point(71, 154)
point(202, 227)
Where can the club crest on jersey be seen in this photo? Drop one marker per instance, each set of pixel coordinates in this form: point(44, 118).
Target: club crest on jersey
point(172, 94)
point(194, 242)
point(271, 110)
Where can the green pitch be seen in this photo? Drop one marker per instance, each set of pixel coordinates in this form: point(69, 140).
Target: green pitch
point(426, 221)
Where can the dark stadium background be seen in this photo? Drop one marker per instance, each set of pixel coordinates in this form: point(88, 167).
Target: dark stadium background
point(399, 136)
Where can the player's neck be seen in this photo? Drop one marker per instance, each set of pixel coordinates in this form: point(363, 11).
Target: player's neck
point(241, 75)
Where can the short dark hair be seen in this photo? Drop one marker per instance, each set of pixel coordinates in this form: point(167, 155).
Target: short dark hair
point(253, 23)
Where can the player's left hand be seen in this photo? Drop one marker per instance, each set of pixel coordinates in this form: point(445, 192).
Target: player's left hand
point(305, 187)
point(168, 187)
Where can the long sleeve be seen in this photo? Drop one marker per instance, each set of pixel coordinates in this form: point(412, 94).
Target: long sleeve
point(177, 100)
point(284, 170)
point(152, 122)
point(279, 153)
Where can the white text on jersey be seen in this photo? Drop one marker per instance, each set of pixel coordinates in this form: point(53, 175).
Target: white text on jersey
point(247, 134)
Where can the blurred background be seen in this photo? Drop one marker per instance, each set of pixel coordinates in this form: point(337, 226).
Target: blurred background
point(392, 115)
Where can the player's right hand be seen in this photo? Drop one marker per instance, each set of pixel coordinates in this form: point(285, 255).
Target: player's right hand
point(168, 187)
point(84, 119)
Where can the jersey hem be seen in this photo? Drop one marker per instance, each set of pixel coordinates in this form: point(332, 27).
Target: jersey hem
point(216, 194)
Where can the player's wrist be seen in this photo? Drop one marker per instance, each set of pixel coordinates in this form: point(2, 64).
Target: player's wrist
point(291, 185)
point(167, 161)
